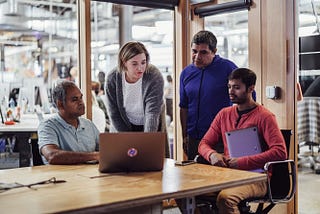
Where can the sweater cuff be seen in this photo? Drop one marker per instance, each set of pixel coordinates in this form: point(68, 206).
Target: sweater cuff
point(151, 124)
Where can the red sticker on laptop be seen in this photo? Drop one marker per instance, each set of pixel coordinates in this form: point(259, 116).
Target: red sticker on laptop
point(132, 152)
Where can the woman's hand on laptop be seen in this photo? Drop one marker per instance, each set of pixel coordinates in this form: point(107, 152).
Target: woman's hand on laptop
point(217, 159)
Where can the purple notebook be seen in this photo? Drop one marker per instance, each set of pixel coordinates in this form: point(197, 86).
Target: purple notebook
point(243, 142)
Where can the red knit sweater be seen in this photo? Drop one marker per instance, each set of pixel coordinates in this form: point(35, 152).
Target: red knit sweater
point(267, 128)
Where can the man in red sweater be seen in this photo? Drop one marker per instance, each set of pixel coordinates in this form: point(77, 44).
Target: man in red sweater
point(246, 113)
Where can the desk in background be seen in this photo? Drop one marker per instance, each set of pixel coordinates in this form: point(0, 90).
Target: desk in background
point(23, 133)
point(87, 191)
point(28, 123)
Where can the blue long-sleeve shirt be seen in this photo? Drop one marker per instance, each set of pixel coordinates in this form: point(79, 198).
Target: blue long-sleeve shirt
point(204, 92)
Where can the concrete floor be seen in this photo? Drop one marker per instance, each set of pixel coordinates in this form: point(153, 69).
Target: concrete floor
point(308, 186)
point(308, 191)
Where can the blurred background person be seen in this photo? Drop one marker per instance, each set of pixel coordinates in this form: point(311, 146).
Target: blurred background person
point(97, 93)
point(101, 79)
point(98, 116)
point(168, 95)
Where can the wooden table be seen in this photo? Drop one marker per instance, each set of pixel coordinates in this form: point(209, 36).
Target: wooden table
point(87, 190)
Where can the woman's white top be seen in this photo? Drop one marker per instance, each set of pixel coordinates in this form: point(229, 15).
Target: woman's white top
point(132, 100)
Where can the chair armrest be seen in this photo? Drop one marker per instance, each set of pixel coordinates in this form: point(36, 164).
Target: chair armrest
point(281, 180)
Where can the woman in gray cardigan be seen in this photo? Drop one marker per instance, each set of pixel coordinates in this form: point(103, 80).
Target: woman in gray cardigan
point(134, 91)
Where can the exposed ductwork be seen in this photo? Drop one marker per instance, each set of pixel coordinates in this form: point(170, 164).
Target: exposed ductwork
point(11, 18)
point(21, 18)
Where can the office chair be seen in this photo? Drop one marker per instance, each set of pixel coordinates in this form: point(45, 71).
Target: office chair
point(34, 149)
point(281, 186)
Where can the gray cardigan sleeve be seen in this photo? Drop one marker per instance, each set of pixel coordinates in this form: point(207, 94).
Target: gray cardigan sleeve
point(152, 93)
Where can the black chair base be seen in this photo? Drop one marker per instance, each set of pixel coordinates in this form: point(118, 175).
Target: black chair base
point(245, 208)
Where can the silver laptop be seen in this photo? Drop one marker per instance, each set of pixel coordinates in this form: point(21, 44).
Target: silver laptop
point(131, 151)
point(243, 142)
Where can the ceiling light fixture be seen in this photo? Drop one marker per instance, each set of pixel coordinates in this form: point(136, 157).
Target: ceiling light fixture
point(209, 10)
point(162, 4)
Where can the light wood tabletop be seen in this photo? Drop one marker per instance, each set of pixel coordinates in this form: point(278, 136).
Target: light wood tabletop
point(85, 188)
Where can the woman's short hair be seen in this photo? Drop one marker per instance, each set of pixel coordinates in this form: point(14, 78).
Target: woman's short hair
point(130, 50)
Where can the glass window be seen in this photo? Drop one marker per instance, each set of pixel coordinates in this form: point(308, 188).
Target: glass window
point(231, 30)
point(38, 44)
point(309, 41)
point(152, 27)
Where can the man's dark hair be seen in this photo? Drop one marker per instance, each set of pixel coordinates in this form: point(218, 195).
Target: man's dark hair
point(205, 37)
point(246, 76)
point(60, 91)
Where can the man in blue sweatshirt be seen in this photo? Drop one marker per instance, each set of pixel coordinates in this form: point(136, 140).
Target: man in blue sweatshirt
point(203, 90)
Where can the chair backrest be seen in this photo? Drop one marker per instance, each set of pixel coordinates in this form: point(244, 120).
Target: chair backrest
point(36, 157)
point(286, 133)
point(283, 180)
point(282, 185)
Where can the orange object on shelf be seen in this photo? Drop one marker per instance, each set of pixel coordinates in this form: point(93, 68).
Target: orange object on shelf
point(9, 122)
